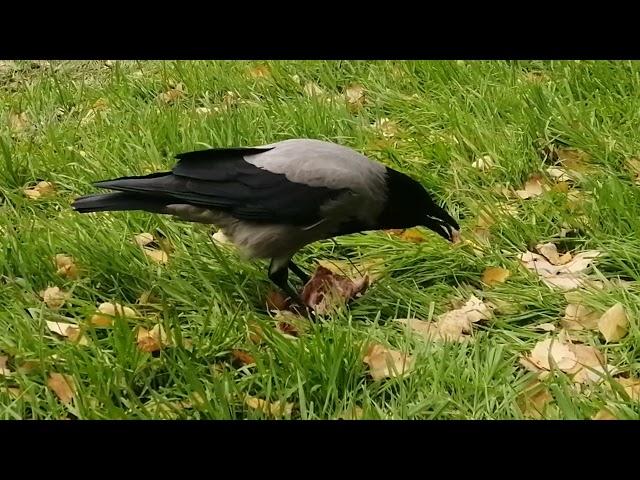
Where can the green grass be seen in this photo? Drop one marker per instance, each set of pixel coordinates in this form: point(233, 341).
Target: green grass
point(448, 114)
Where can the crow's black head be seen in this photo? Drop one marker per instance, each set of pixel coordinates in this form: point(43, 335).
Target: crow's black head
point(409, 205)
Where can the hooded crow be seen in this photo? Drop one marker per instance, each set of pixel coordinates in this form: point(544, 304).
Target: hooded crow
point(272, 200)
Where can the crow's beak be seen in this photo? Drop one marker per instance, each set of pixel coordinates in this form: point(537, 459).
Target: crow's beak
point(455, 236)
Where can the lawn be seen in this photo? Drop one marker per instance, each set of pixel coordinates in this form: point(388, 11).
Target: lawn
point(73, 123)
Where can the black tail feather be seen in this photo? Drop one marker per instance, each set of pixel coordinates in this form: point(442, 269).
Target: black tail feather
point(119, 201)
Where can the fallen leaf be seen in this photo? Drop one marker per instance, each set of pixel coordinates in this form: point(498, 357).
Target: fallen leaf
point(276, 300)
point(568, 276)
point(152, 340)
point(106, 312)
point(18, 121)
point(66, 267)
point(41, 190)
point(147, 297)
point(158, 256)
point(221, 238)
point(613, 324)
point(68, 330)
point(326, 290)
point(312, 89)
point(54, 297)
point(559, 174)
point(532, 188)
point(355, 97)
point(573, 159)
point(12, 392)
point(4, 370)
point(604, 414)
point(291, 324)
point(172, 94)
point(413, 235)
point(256, 334)
point(144, 239)
point(351, 413)
point(432, 331)
point(483, 163)
point(534, 400)
point(260, 71)
point(387, 127)
point(28, 367)
point(580, 317)
point(493, 275)
point(274, 409)
point(242, 357)
point(552, 350)
point(590, 364)
point(203, 110)
point(550, 252)
point(631, 387)
point(62, 385)
point(386, 363)
point(546, 327)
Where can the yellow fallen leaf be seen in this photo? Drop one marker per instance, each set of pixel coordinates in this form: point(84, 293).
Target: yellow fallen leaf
point(573, 159)
point(203, 110)
point(260, 71)
point(372, 268)
point(106, 312)
point(546, 327)
point(275, 409)
point(54, 297)
point(68, 330)
point(152, 340)
point(41, 190)
point(62, 385)
point(221, 238)
point(413, 235)
point(483, 163)
point(66, 267)
point(432, 331)
point(312, 89)
point(532, 188)
point(550, 351)
point(580, 317)
point(144, 239)
point(387, 363)
point(158, 256)
point(550, 252)
point(493, 275)
point(613, 323)
point(4, 370)
point(559, 174)
point(631, 387)
point(590, 364)
point(604, 414)
point(172, 94)
point(18, 121)
point(568, 276)
point(355, 97)
point(534, 400)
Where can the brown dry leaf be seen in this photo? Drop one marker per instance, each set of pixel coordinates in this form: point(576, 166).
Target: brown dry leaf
point(256, 335)
point(604, 414)
point(260, 71)
point(62, 385)
point(532, 188)
point(590, 366)
point(18, 121)
point(326, 290)
point(568, 276)
point(144, 239)
point(274, 409)
point(613, 323)
point(550, 252)
point(106, 312)
point(534, 400)
point(413, 235)
point(68, 330)
point(552, 349)
point(633, 164)
point(386, 363)
point(288, 323)
point(493, 275)
point(147, 298)
point(580, 317)
point(631, 386)
point(371, 268)
point(54, 297)
point(41, 190)
point(172, 94)
point(66, 267)
point(158, 256)
point(351, 413)
point(573, 159)
point(483, 163)
point(559, 174)
point(152, 340)
point(242, 357)
point(312, 89)
point(546, 327)
point(28, 367)
point(535, 77)
point(4, 370)
point(387, 127)
point(276, 300)
point(355, 97)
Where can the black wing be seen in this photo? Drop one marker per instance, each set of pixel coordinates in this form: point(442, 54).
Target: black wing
point(221, 179)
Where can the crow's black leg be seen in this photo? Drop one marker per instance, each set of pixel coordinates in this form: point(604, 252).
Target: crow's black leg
point(279, 274)
point(298, 272)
